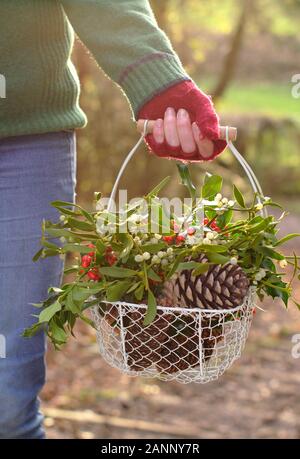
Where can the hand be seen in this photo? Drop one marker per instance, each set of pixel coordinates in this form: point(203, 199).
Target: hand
point(187, 126)
point(177, 131)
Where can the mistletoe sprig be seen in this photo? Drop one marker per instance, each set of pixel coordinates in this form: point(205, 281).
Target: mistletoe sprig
point(132, 266)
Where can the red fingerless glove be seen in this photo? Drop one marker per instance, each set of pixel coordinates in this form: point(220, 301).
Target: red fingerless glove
point(201, 110)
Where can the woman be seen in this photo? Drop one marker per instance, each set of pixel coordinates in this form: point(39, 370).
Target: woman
point(38, 118)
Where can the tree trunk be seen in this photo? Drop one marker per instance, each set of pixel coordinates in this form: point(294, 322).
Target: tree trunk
point(231, 58)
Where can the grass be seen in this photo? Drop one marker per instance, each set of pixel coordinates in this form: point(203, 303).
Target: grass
point(271, 99)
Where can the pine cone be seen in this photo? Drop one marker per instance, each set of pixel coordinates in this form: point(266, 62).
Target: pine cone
point(221, 287)
point(169, 342)
point(180, 351)
point(143, 344)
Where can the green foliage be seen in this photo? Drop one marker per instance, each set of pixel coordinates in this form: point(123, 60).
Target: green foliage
point(133, 266)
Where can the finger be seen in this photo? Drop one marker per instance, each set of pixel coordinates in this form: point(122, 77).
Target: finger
point(170, 128)
point(158, 131)
point(205, 146)
point(185, 133)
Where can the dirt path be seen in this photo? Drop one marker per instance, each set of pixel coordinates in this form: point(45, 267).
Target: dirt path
point(257, 398)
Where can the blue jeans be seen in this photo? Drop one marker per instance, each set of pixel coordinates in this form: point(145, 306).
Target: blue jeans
point(34, 170)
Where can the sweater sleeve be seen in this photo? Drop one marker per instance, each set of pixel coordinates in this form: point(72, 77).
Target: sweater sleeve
point(128, 45)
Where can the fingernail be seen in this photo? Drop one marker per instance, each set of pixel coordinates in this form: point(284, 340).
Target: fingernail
point(197, 131)
point(170, 111)
point(182, 113)
point(159, 123)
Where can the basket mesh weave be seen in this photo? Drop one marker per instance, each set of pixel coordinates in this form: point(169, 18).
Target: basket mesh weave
point(186, 345)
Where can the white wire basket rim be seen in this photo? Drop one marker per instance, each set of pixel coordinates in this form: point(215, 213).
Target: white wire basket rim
point(251, 292)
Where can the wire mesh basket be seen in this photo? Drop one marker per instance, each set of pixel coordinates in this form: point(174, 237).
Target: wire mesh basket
point(186, 345)
point(182, 344)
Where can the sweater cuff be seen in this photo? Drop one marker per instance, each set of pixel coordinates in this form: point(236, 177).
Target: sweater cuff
point(149, 76)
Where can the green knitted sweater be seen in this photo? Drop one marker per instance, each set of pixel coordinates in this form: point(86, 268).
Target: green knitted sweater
point(37, 77)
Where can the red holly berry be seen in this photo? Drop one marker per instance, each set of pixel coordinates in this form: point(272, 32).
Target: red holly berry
point(179, 239)
point(205, 221)
point(168, 239)
point(111, 259)
point(86, 261)
point(110, 256)
point(93, 274)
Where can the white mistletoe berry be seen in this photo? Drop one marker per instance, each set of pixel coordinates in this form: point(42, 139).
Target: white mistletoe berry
point(231, 203)
point(218, 197)
point(146, 256)
point(225, 201)
point(164, 262)
point(170, 251)
point(258, 277)
point(206, 241)
point(161, 254)
point(139, 258)
point(259, 206)
point(210, 235)
point(283, 263)
point(155, 260)
point(233, 260)
point(262, 273)
point(157, 236)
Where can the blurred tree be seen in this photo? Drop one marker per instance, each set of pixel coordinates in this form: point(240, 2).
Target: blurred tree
point(160, 9)
point(231, 59)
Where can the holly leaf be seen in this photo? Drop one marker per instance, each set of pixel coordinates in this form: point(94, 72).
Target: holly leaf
point(188, 265)
point(49, 312)
point(217, 258)
point(286, 238)
point(238, 196)
point(279, 290)
point(153, 276)
point(268, 252)
point(115, 271)
point(38, 255)
point(80, 224)
point(139, 292)
point(116, 291)
point(203, 268)
point(151, 310)
point(212, 186)
point(79, 248)
point(225, 219)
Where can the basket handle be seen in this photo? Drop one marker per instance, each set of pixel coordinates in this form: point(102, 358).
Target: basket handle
point(229, 134)
point(232, 131)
